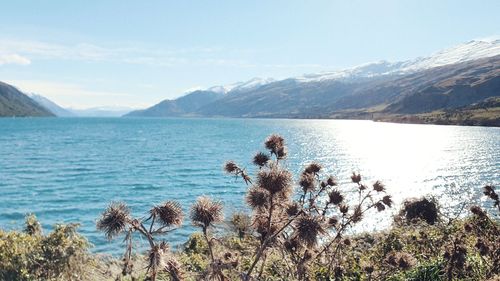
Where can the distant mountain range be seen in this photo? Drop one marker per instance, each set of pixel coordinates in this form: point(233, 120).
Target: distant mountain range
point(463, 78)
point(447, 80)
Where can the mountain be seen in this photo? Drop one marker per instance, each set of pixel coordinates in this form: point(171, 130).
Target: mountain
point(447, 80)
point(185, 105)
point(103, 111)
point(51, 106)
point(14, 103)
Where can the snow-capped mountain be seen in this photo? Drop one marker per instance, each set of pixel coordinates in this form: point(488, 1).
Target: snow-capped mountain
point(240, 86)
point(471, 50)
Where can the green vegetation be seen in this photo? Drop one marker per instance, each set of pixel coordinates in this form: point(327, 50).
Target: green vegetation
point(286, 236)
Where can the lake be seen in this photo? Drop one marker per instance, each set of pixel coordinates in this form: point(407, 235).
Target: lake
point(69, 169)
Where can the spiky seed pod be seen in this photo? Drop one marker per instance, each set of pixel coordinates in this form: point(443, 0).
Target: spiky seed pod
point(274, 180)
point(274, 143)
point(174, 269)
point(257, 198)
point(260, 224)
point(231, 167)
point(308, 229)
point(347, 242)
point(335, 197)
point(292, 245)
point(387, 200)
point(114, 219)
point(313, 168)
point(357, 216)
point(468, 227)
point(307, 182)
point(380, 206)
point(333, 221)
point(378, 186)
point(362, 187)
point(331, 181)
point(292, 209)
point(323, 184)
point(169, 213)
point(476, 210)
point(356, 178)
point(260, 159)
point(282, 152)
point(343, 208)
point(206, 212)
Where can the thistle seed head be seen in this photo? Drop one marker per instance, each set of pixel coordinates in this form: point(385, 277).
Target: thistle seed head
point(206, 212)
point(378, 186)
point(307, 182)
point(275, 180)
point(114, 219)
point(257, 198)
point(356, 178)
point(260, 159)
point(308, 229)
point(335, 197)
point(313, 168)
point(169, 213)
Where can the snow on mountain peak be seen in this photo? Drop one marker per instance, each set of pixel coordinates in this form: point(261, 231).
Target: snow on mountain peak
point(238, 86)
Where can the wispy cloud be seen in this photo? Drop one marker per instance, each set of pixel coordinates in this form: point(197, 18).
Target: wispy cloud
point(30, 50)
point(13, 59)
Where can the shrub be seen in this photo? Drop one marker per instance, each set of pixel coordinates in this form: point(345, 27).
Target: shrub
point(30, 255)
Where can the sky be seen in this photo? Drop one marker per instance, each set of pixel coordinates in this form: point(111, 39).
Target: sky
point(90, 53)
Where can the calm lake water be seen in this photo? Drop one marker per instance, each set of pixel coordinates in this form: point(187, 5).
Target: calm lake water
point(69, 169)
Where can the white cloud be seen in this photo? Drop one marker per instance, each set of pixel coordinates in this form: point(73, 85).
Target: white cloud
point(13, 59)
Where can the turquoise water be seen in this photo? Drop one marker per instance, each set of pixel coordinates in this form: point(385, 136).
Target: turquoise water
point(69, 169)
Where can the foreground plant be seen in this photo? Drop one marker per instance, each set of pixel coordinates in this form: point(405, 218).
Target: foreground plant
point(306, 229)
point(116, 219)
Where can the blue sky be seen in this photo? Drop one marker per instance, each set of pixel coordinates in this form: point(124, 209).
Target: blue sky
point(136, 53)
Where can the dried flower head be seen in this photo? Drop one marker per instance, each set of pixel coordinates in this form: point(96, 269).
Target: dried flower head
point(308, 228)
point(476, 210)
point(335, 197)
point(333, 221)
point(169, 213)
point(292, 209)
point(231, 167)
point(282, 152)
point(331, 181)
point(206, 212)
point(380, 206)
point(275, 180)
point(257, 198)
point(312, 168)
point(357, 216)
point(378, 186)
point(356, 178)
point(387, 200)
point(343, 208)
point(274, 143)
point(292, 245)
point(260, 159)
point(307, 182)
point(114, 219)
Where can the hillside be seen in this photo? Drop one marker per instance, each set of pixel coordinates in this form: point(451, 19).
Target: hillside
point(51, 106)
point(186, 105)
point(14, 103)
point(447, 80)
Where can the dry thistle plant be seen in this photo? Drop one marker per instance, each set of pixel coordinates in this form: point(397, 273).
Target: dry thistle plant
point(204, 214)
point(306, 229)
point(163, 218)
